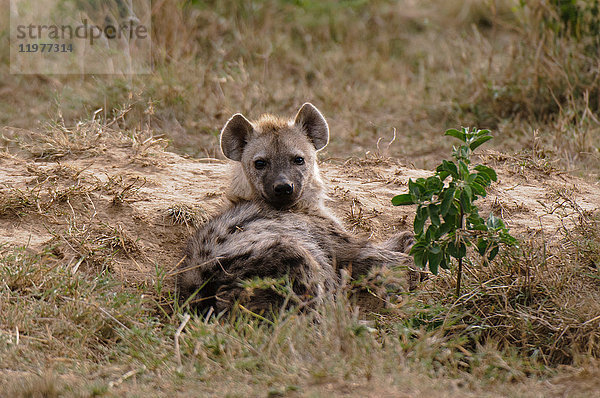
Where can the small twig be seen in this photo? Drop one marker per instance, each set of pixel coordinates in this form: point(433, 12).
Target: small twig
point(389, 144)
point(108, 314)
point(126, 376)
point(186, 319)
point(590, 320)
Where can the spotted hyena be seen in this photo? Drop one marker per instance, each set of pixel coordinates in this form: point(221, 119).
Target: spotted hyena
point(276, 224)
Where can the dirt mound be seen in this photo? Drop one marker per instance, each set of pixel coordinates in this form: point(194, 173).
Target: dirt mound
point(130, 205)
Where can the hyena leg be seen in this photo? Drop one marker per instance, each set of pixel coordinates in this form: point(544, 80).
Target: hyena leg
point(374, 261)
point(403, 242)
point(400, 242)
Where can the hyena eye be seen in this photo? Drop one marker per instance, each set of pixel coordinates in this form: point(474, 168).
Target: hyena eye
point(260, 164)
point(299, 160)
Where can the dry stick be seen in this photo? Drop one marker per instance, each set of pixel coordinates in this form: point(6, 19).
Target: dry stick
point(460, 260)
point(590, 320)
point(126, 376)
point(186, 319)
point(458, 277)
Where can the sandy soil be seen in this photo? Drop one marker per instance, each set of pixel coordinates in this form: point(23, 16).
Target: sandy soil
point(129, 196)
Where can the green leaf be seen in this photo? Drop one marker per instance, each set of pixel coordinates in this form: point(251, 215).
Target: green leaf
point(418, 246)
point(469, 192)
point(434, 261)
point(435, 249)
point(471, 177)
point(420, 258)
point(431, 234)
point(462, 153)
point(420, 219)
point(447, 167)
point(487, 249)
point(465, 200)
point(444, 229)
point(434, 214)
point(456, 134)
point(452, 218)
point(457, 252)
point(464, 170)
point(479, 227)
point(448, 200)
point(445, 263)
point(489, 172)
point(483, 180)
point(479, 141)
point(413, 189)
point(508, 239)
point(434, 184)
point(495, 222)
point(493, 252)
point(403, 200)
point(478, 189)
point(482, 245)
point(477, 222)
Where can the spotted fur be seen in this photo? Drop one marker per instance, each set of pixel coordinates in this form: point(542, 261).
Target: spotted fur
point(265, 233)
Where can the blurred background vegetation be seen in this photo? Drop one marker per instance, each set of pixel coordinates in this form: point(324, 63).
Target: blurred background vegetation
point(529, 71)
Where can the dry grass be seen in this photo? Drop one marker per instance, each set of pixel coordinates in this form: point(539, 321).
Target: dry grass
point(370, 66)
point(67, 308)
point(190, 216)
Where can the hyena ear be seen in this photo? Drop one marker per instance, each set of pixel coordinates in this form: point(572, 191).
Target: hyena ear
point(310, 120)
point(234, 136)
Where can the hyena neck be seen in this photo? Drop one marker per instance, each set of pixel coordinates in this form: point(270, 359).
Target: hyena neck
point(312, 201)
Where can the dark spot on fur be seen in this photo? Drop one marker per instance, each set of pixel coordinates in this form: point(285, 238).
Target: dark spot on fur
point(233, 229)
point(243, 224)
point(250, 219)
point(210, 230)
point(242, 257)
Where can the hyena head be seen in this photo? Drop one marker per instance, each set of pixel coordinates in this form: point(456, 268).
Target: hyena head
point(277, 156)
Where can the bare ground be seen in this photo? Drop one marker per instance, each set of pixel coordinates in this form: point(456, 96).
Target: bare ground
point(134, 195)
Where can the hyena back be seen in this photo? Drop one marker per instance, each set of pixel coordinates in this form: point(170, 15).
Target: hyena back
point(276, 224)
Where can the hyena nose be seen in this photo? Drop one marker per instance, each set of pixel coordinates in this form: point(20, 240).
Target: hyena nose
point(283, 188)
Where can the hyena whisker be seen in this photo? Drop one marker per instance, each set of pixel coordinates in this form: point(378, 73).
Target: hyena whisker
point(169, 272)
point(192, 267)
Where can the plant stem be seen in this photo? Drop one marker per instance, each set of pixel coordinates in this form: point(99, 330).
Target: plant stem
point(460, 260)
point(458, 277)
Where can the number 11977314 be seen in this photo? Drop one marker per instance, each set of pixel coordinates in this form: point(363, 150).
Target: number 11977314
point(45, 48)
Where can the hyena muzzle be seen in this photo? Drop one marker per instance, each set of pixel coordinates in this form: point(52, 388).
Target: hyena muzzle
point(276, 226)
